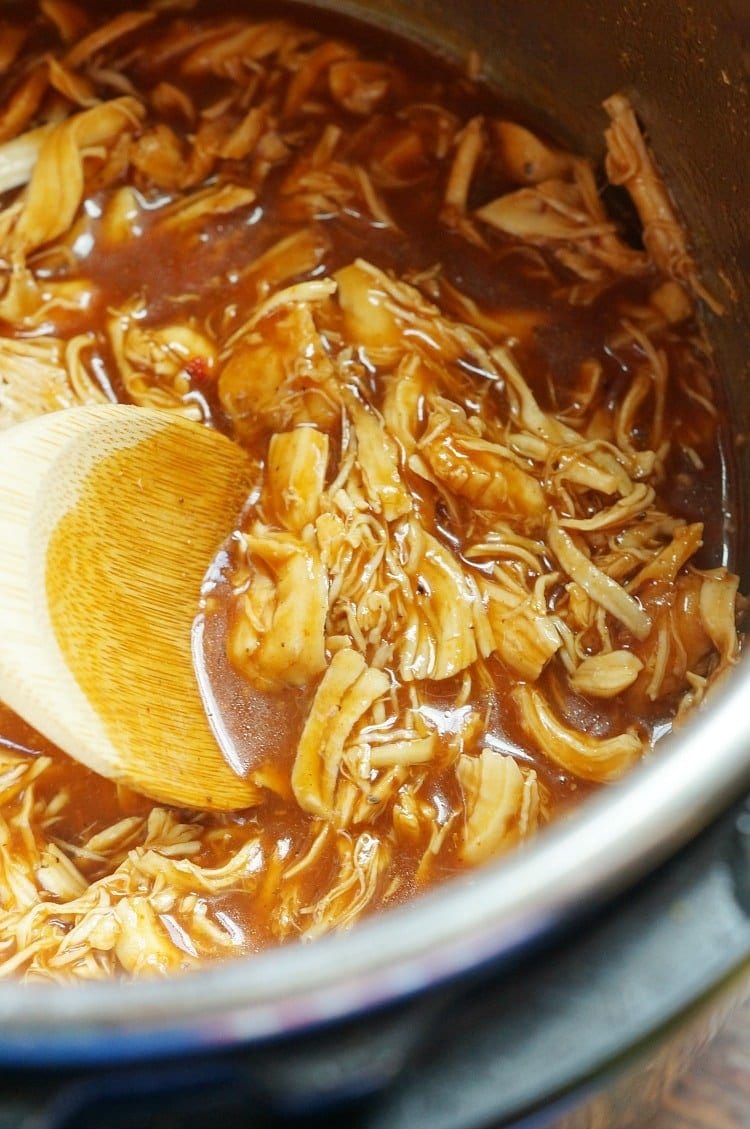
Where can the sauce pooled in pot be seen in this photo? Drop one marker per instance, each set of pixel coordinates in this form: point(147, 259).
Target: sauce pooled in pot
point(483, 566)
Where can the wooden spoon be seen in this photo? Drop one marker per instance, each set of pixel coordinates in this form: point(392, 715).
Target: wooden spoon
point(110, 517)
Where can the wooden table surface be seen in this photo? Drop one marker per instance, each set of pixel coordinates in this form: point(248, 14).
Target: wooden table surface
point(715, 1094)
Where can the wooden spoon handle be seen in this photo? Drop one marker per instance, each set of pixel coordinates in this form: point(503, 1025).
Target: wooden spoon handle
point(109, 519)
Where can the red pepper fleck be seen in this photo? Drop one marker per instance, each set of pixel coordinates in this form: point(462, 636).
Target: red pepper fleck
point(197, 368)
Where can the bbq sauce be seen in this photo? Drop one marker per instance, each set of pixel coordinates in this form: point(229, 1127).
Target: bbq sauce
point(207, 273)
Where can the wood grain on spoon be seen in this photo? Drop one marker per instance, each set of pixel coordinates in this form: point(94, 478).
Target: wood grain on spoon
point(109, 519)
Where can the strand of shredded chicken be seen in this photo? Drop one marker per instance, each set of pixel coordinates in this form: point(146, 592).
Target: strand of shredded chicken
point(459, 584)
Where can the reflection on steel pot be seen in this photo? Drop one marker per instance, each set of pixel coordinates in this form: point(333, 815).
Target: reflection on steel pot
point(512, 991)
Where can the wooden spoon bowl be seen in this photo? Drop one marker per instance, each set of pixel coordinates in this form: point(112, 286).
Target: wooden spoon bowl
point(110, 517)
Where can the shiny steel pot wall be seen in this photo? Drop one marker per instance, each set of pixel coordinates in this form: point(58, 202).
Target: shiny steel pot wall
point(521, 934)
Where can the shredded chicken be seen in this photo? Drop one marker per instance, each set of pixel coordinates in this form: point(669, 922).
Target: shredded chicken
point(59, 169)
point(501, 804)
point(630, 163)
point(477, 565)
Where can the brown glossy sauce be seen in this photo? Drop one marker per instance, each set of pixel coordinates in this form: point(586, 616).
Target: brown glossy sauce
point(204, 273)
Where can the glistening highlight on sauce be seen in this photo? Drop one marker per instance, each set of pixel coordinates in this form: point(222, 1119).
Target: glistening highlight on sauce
point(483, 565)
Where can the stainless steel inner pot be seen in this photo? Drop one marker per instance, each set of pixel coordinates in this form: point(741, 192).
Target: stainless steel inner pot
point(549, 937)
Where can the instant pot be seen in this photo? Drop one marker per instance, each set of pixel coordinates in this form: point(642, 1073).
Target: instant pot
point(571, 980)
